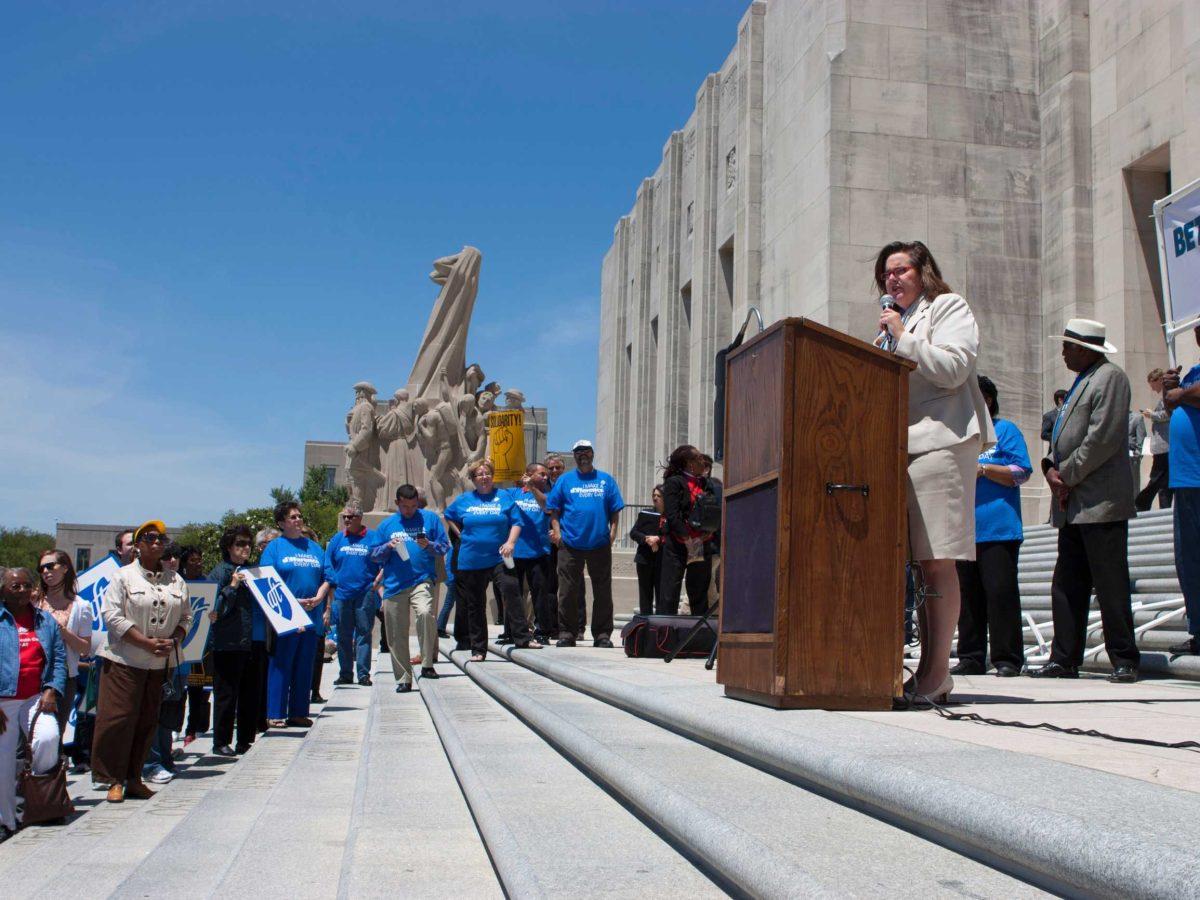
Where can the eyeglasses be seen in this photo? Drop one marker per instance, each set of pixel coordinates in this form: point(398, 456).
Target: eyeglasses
point(46, 567)
point(351, 515)
point(20, 586)
point(295, 517)
point(896, 272)
point(244, 544)
point(152, 537)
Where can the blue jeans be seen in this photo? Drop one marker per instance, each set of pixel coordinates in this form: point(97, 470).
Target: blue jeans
point(160, 751)
point(447, 605)
point(355, 620)
point(289, 674)
point(1187, 552)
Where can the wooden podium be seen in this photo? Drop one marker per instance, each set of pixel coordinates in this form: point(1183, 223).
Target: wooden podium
point(815, 528)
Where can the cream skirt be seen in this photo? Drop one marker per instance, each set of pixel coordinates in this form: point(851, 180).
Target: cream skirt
point(941, 502)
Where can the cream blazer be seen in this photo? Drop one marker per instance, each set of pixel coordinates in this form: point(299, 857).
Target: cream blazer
point(945, 405)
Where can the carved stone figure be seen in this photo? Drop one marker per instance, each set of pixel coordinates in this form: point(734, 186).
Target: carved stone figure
point(362, 449)
point(444, 345)
point(402, 459)
point(430, 430)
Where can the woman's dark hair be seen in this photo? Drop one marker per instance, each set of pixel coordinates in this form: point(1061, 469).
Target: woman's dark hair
point(657, 489)
point(922, 260)
point(172, 551)
point(676, 463)
point(231, 534)
point(988, 388)
point(283, 508)
point(68, 585)
point(1060, 395)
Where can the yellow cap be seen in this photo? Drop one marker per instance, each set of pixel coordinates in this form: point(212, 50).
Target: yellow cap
point(156, 524)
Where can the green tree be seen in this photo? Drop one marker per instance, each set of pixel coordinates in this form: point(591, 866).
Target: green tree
point(319, 506)
point(23, 546)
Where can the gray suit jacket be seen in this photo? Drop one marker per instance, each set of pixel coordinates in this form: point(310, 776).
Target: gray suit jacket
point(1093, 446)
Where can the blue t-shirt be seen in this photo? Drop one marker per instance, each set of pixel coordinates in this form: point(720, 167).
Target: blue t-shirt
point(1184, 439)
point(301, 565)
point(584, 503)
point(484, 522)
point(997, 507)
point(421, 565)
point(534, 541)
point(348, 563)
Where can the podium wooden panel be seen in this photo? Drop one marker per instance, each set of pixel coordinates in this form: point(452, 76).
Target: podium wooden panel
point(815, 531)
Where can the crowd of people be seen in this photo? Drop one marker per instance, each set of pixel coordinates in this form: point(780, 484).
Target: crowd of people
point(531, 543)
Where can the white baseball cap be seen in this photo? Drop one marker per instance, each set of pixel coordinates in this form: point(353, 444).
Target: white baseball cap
point(584, 444)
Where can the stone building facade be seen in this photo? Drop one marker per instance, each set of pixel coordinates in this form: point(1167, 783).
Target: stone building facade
point(1023, 140)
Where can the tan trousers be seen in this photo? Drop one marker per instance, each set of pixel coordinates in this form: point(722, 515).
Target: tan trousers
point(395, 619)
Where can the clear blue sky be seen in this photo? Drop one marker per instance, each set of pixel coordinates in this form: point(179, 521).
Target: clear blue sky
point(216, 217)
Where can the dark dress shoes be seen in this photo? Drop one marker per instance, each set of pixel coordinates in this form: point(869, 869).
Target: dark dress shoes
point(365, 681)
point(1190, 647)
point(430, 672)
point(242, 748)
point(965, 667)
point(224, 751)
point(342, 680)
point(1055, 670)
point(403, 687)
point(565, 642)
point(1123, 675)
point(316, 698)
point(602, 642)
point(1007, 670)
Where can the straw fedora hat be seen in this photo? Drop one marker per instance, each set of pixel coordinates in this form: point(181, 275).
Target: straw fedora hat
point(1087, 333)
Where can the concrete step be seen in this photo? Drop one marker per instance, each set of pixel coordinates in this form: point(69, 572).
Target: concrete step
point(752, 830)
point(363, 804)
point(975, 800)
point(549, 830)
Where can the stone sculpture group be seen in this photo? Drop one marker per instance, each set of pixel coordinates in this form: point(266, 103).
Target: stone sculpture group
point(428, 432)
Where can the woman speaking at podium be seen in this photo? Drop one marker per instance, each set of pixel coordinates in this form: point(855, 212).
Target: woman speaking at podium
point(948, 425)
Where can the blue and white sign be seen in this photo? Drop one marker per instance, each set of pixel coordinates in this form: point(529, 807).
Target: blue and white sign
point(1178, 219)
point(90, 586)
point(282, 610)
point(202, 595)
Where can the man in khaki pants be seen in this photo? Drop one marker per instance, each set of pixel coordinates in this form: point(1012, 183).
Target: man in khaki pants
point(408, 545)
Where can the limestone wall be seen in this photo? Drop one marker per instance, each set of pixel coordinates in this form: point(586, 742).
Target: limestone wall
point(1021, 139)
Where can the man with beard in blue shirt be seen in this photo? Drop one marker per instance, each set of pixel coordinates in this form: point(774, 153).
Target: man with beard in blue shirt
point(583, 507)
point(350, 568)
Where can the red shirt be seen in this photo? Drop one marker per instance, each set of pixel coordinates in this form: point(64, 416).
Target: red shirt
point(33, 657)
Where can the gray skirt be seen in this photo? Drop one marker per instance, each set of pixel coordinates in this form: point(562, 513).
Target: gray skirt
point(941, 502)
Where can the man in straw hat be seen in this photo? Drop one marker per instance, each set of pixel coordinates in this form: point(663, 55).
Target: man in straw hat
point(1089, 475)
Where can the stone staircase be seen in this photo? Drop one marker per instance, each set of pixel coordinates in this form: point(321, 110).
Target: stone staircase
point(582, 773)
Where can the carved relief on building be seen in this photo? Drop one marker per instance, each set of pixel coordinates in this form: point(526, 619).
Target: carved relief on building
point(691, 211)
point(729, 87)
point(689, 148)
point(731, 168)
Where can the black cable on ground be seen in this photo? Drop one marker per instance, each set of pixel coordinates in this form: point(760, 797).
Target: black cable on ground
point(1080, 732)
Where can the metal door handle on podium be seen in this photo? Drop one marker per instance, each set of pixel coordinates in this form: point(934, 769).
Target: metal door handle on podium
point(864, 489)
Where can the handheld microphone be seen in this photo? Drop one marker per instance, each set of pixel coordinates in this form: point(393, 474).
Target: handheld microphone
point(885, 340)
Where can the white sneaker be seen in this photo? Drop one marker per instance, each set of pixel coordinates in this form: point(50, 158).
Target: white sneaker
point(158, 775)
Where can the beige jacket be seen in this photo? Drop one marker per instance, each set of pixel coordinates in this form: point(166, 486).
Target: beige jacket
point(156, 603)
point(945, 405)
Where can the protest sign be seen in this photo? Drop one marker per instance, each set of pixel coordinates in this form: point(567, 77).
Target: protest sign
point(90, 585)
point(202, 594)
point(282, 609)
point(1178, 220)
point(506, 444)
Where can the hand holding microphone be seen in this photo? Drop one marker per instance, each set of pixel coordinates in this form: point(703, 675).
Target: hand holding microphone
point(891, 326)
